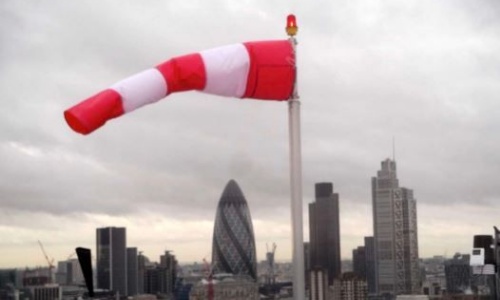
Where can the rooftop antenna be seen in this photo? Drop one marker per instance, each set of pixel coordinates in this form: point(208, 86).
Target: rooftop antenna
point(393, 149)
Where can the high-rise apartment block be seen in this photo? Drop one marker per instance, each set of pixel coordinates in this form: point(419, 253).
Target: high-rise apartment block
point(111, 248)
point(324, 231)
point(395, 234)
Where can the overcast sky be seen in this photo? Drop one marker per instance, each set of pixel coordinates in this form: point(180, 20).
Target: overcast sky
point(425, 72)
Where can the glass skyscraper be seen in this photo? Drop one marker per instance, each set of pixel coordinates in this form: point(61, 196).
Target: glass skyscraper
point(395, 234)
point(324, 231)
point(233, 246)
point(111, 246)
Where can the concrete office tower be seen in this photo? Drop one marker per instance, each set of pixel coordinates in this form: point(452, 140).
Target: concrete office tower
point(233, 246)
point(395, 233)
point(324, 231)
point(111, 248)
point(132, 272)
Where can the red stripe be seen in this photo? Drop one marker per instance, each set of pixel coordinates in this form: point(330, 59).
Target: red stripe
point(93, 112)
point(272, 70)
point(184, 73)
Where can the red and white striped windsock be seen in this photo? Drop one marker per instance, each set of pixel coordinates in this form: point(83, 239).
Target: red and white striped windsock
point(258, 70)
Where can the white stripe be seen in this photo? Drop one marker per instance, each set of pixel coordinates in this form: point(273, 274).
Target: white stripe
point(140, 89)
point(226, 70)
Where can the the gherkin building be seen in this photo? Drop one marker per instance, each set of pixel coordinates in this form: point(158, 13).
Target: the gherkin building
point(233, 246)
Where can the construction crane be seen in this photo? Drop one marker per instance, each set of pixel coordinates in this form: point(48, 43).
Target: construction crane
point(270, 264)
point(50, 262)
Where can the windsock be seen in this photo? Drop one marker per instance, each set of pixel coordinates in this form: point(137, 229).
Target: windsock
point(258, 70)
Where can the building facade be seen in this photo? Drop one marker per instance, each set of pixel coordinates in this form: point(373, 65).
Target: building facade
point(370, 265)
point(132, 271)
point(359, 262)
point(111, 248)
point(226, 287)
point(324, 231)
point(395, 234)
point(69, 273)
point(350, 287)
point(233, 246)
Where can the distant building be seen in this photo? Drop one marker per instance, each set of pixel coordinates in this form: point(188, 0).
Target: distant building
point(395, 233)
point(132, 272)
point(307, 264)
point(233, 246)
point(36, 277)
point(324, 231)
point(458, 274)
point(142, 263)
point(359, 262)
point(69, 273)
point(319, 288)
point(350, 287)
point(48, 292)
point(168, 267)
point(370, 265)
point(226, 287)
point(111, 245)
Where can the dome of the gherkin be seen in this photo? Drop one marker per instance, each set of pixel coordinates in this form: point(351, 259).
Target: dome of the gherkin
point(232, 193)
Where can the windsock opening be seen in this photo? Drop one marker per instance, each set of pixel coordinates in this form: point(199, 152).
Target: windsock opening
point(92, 113)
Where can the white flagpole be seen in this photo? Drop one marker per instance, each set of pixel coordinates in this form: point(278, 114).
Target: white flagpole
point(296, 176)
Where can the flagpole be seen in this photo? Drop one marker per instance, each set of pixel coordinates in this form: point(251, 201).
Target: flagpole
point(296, 175)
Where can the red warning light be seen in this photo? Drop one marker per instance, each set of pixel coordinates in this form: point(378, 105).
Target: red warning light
point(291, 25)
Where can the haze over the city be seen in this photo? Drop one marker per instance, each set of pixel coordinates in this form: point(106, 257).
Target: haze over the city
point(424, 73)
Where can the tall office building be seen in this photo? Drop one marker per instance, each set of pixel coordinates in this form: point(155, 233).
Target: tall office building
point(359, 262)
point(111, 248)
point(132, 272)
point(324, 231)
point(370, 265)
point(233, 246)
point(395, 234)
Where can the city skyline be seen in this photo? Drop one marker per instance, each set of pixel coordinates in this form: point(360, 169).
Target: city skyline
point(424, 72)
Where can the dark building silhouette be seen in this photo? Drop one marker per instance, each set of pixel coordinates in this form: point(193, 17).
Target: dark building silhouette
point(324, 231)
point(111, 248)
point(370, 265)
point(132, 272)
point(233, 246)
point(359, 262)
point(458, 274)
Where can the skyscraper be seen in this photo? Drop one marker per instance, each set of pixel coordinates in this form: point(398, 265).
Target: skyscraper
point(132, 272)
point(370, 265)
point(324, 231)
point(395, 234)
point(233, 246)
point(111, 248)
